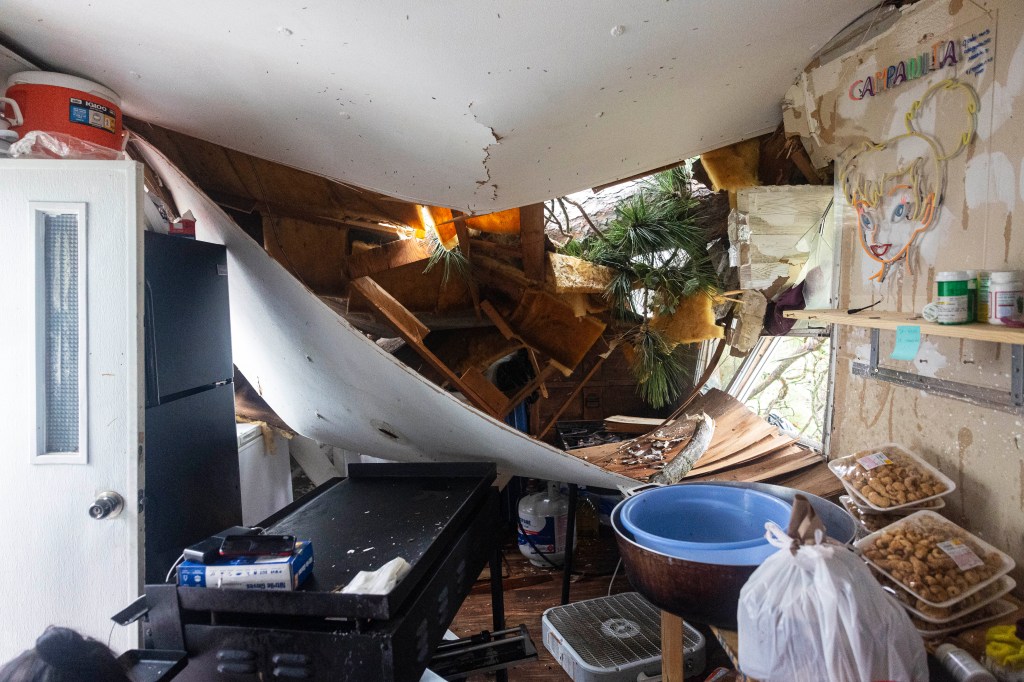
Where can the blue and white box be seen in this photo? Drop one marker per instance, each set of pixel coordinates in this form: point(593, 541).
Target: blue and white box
point(252, 573)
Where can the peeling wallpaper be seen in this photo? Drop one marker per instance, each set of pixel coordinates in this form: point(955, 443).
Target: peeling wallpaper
point(981, 449)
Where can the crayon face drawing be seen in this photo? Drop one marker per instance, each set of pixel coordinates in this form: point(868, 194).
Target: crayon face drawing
point(896, 187)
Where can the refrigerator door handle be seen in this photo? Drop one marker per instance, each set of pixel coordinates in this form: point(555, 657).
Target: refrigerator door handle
point(152, 365)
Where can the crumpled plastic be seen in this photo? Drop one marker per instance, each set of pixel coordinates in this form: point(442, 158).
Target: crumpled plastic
point(813, 612)
point(381, 581)
point(39, 144)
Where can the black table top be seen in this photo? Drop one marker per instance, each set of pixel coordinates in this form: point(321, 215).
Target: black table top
point(380, 512)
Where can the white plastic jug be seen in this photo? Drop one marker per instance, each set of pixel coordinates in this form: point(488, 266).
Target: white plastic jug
point(543, 518)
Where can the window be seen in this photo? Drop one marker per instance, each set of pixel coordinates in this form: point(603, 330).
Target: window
point(60, 333)
point(783, 379)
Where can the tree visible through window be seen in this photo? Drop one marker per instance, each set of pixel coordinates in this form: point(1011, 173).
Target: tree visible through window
point(785, 380)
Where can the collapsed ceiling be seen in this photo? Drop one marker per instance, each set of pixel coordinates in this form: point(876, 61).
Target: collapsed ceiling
point(470, 105)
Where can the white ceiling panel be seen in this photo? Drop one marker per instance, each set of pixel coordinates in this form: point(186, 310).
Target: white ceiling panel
point(473, 104)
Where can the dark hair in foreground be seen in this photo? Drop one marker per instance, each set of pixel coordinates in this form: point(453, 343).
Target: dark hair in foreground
point(63, 655)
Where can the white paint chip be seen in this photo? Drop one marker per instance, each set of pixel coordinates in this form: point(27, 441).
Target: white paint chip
point(284, 30)
point(618, 30)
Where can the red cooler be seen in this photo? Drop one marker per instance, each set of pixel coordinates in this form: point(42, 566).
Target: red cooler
point(57, 103)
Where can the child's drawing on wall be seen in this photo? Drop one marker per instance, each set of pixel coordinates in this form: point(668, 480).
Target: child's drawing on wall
point(896, 187)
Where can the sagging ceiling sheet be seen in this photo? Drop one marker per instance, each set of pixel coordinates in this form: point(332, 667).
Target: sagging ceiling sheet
point(329, 382)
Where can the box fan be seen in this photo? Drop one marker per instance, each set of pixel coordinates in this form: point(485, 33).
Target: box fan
point(614, 639)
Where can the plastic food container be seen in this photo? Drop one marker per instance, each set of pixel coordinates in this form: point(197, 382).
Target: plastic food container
point(941, 616)
point(934, 559)
point(702, 522)
point(890, 477)
point(867, 521)
point(993, 611)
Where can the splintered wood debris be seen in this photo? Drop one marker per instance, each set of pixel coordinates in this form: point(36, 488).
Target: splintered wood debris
point(744, 447)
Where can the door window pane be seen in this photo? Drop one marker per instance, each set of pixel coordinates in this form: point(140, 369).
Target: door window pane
point(61, 326)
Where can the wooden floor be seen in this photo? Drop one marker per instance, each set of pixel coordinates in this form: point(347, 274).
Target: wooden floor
point(530, 591)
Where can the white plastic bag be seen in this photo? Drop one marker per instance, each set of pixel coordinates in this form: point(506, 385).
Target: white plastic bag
point(818, 614)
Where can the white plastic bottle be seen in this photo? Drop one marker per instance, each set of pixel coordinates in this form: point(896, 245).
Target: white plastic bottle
point(543, 518)
point(1005, 297)
point(962, 665)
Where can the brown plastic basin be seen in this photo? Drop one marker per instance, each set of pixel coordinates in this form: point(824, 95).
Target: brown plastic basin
point(707, 593)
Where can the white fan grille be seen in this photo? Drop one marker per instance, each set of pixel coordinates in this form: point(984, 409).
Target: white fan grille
point(611, 632)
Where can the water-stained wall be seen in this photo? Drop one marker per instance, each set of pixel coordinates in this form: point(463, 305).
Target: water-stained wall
point(835, 107)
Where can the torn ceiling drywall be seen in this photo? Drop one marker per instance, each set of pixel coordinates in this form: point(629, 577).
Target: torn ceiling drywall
point(329, 382)
point(475, 106)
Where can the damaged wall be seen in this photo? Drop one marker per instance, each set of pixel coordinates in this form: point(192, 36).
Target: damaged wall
point(980, 449)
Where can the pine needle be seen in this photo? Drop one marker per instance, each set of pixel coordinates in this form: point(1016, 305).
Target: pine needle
point(658, 369)
point(452, 262)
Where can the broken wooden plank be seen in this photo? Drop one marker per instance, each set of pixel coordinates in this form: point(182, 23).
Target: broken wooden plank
point(525, 392)
point(495, 317)
point(497, 402)
point(764, 448)
point(420, 292)
point(532, 240)
point(495, 248)
point(741, 439)
point(388, 256)
point(620, 423)
point(462, 232)
point(792, 459)
point(405, 322)
point(498, 274)
point(414, 331)
point(541, 386)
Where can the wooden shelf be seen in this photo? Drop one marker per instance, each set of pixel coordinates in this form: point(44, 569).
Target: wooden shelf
point(976, 331)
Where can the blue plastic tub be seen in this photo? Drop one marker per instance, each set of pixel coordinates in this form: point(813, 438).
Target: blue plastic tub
point(705, 522)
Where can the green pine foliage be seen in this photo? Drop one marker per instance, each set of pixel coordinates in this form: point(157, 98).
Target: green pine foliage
point(660, 255)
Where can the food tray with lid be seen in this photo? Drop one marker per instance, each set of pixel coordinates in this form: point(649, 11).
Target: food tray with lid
point(867, 523)
point(889, 477)
point(934, 559)
point(941, 616)
point(931, 505)
point(993, 611)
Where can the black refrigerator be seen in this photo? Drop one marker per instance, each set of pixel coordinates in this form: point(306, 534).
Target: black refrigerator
point(191, 482)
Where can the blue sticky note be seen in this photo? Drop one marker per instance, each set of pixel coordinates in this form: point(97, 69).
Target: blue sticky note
point(908, 340)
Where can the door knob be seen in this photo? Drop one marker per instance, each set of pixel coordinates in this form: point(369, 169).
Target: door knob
point(107, 505)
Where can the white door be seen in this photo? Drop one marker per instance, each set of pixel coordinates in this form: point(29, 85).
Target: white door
point(70, 408)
